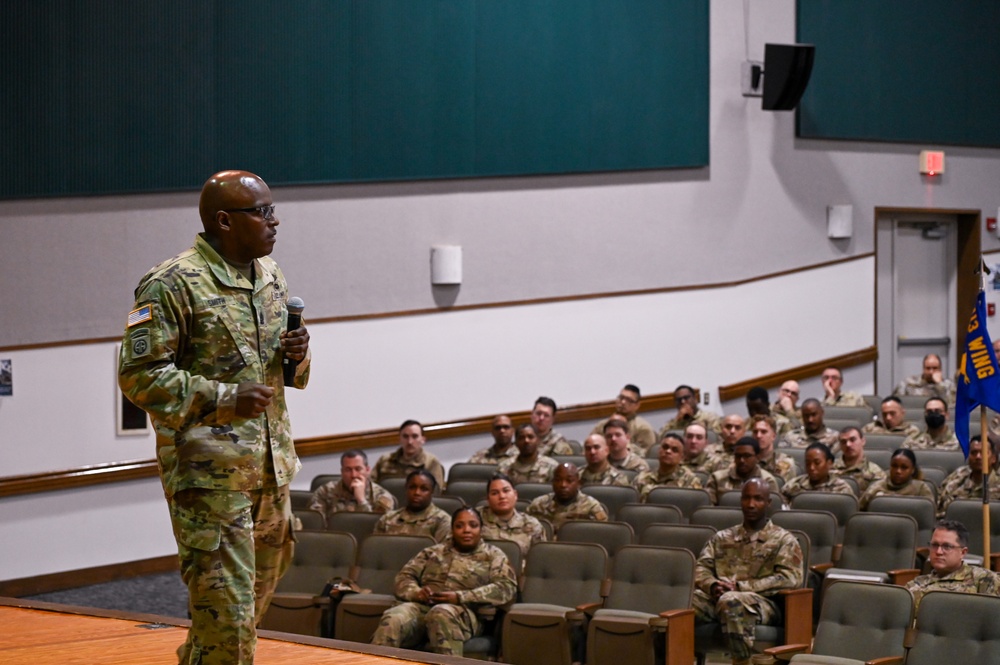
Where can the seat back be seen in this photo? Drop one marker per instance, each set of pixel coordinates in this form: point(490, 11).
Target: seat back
point(719, 517)
point(843, 506)
point(879, 542)
point(949, 460)
point(874, 402)
point(934, 475)
point(858, 415)
point(358, 524)
point(686, 499)
point(920, 508)
point(651, 579)
point(611, 535)
point(300, 499)
point(447, 503)
point(887, 442)
point(862, 621)
point(323, 479)
point(612, 496)
point(819, 525)
point(691, 537)
point(383, 555)
point(913, 404)
point(641, 515)
point(880, 456)
point(529, 491)
point(970, 513)
point(395, 487)
point(311, 519)
point(837, 424)
point(319, 555)
point(470, 491)
point(566, 574)
point(466, 472)
point(956, 627)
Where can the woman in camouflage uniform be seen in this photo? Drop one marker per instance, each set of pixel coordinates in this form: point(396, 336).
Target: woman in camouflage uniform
point(419, 516)
point(501, 521)
point(904, 478)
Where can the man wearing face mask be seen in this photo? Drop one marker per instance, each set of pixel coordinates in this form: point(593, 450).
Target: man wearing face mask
point(939, 434)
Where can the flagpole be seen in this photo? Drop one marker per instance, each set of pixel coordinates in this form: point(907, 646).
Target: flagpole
point(984, 439)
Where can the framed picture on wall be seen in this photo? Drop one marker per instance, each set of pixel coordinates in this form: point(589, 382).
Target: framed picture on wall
point(130, 420)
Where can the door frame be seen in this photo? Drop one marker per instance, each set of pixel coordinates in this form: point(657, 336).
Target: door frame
point(968, 248)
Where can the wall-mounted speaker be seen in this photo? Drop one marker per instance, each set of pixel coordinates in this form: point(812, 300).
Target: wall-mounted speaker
point(786, 74)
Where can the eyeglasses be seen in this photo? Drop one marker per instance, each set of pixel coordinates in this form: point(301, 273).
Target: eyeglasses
point(627, 399)
point(266, 212)
point(946, 547)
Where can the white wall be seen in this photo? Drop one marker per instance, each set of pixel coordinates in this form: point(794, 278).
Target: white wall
point(68, 267)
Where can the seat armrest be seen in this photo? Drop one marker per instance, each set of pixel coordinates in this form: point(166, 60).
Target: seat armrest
point(679, 626)
point(589, 608)
point(886, 660)
point(837, 551)
point(995, 561)
point(785, 652)
point(902, 576)
point(605, 587)
point(797, 611)
point(821, 568)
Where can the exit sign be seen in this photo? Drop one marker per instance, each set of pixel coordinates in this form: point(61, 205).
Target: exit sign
point(932, 162)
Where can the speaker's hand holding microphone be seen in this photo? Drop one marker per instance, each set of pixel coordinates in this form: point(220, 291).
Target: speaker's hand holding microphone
point(294, 341)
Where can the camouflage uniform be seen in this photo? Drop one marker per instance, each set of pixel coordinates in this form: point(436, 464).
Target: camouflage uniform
point(431, 521)
point(704, 461)
point(761, 563)
point(647, 481)
point(780, 464)
point(539, 471)
point(959, 485)
point(724, 481)
point(609, 476)
point(199, 329)
point(906, 428)
point(864, 471)
point(800, 438)
point(845, 399)
point(711, 421)
point(482, 577)
point(523, 529)
point(967, 579)
point(794, 416)
point(915, 385)
point(554, 443)
point(800, 484)
point(491, 456)
point(640, 432)
point(392, 465)
point(885, 487)
point(718, 460)
point(583, 507)
point(333, 497)
point(632, 462)
point(922, 441)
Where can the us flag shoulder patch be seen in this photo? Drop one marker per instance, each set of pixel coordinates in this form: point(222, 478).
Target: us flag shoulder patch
point(140, 315)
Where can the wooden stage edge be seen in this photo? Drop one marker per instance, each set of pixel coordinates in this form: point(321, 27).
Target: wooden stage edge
point(39, 633)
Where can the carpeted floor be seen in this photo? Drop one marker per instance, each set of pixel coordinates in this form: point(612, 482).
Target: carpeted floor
point(163, 594)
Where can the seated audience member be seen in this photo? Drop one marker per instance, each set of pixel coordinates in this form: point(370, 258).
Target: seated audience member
point(688, 412)
point(813, 429)
point(939, 434)
point(627, 405)
point(419, 517)
point(904, 479)
point(409, 457)
point(502, 521)
point(852, 462)
point(930, 383)
point(743, 468)
point(543, 417)
point(741, 570)
point(892, 421)
point(566, 501)
point(833, 381)
point(670, 473)
point(440, 588)
point(817, 478)
point(787, 404)
point(530, 466)
point(759, 404)
point(778, 463)
point(620, 454)
point(696, 454)
point(503, 444)
point(599, 471)
point(948, 547)
point(354, 491)
point(966, 482)
point(734, 428)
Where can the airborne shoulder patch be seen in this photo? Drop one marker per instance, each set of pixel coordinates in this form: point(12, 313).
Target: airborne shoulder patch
point(140, 315)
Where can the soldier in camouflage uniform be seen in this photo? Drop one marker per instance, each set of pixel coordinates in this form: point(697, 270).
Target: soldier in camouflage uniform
point(503, 447)
point(566, 501)
point(893, 420)
point(939, 434)
point(966, 482)
point(354, 491)
point(742, 568)
point(817, 478)
point(502, 521)
point(743, 468)
point(599, 470)
point(930, 383)
point(440, 589)
point(530, 466)
point(420, 517)
point(852, 462)
point(543, 417)
point(670, 473)
point(758, 404)
point(786, 406)
point(688, 413)
point(769, 459)
point(202, 355)
point(833, 380)
point(409, 457)
point(696, 454)
point(949, 545)
point(734, 428)
point(620, 454)
point(904, 479)
point(640, 432)
point(813, 429)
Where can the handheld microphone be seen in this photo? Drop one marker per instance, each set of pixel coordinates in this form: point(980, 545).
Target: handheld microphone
point(295, 306)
